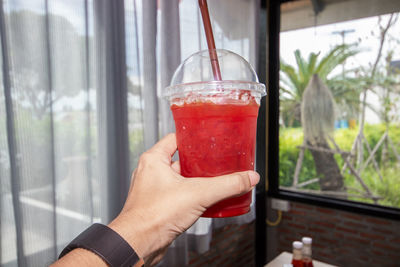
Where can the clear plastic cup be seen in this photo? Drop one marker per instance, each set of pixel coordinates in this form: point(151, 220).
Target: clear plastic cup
point(216, 121)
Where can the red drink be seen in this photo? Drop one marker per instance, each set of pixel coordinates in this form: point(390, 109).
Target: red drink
point(216, 139)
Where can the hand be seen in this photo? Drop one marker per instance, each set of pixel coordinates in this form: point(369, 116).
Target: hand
point(162, 204)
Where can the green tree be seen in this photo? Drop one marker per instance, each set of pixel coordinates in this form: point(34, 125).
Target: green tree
point(294, 80)
point(30, 58)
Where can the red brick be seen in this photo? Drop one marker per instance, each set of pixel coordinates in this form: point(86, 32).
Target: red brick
point(357, 240)
point(330, 219)
point(298, 226)
point(378, 221)
point(326, 211)
point(301, 234)
point(213, 259)
point(353, 216)
point(347, 230)
point(354, 246)
point(319, 246)
point(325, 255)
point(247, 247)
point(329, 240)
point(246, 227)
point(326, 224)
point(287, 246)
point(372, 236)
point(194, 260)
point(385, 246)
point(302, 206)
point(342, 251)
point(284, 230)
point(364, 258)
point(383, 231)
point(395, 240)
point(393, 256)
point(302, 219)
point(289, 238)
point(339, 235)
point(318, 230)
point(377, 252)
point(223, 245)
point(353, 224)
point(287, 217)
point(380, 262)
point(298, 212)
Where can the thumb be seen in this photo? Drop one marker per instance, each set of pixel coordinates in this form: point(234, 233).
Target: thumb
point(215, 189)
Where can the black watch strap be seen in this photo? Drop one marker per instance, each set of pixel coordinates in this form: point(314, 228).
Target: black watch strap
point(107, 244)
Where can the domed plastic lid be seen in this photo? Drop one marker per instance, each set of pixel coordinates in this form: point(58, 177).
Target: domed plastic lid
point(194, 78)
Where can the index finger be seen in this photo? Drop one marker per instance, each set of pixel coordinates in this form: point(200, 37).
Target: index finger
point(166, 146)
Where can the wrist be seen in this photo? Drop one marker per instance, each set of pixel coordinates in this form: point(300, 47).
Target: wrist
point(138, 234)
point(102, 241)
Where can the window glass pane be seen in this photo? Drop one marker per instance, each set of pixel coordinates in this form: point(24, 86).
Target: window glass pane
point(340, 101)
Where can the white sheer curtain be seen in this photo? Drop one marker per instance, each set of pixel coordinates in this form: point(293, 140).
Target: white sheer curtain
point(179, 33)
point(80, 100)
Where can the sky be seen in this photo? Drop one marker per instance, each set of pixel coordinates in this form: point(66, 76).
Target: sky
point(322, 39)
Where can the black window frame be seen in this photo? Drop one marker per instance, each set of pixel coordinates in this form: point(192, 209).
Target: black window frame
point(273, 136)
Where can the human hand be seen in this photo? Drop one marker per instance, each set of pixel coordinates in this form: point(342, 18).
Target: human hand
point(162, 204)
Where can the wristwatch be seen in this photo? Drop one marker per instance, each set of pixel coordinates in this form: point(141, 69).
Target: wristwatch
point(107, 244)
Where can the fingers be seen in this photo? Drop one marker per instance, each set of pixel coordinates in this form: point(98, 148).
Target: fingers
point(176, 167)
point(212, 190)
point(166, 146)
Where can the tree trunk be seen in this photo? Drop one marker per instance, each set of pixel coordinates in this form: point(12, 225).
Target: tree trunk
point(327, 169)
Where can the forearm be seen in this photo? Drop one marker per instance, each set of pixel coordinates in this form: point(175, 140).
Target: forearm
point(128, 231)
point(80, 257)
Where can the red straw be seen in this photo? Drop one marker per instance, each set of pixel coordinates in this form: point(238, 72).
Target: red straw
point(210, 39)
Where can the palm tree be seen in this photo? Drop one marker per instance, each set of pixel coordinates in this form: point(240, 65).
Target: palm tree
point(309, 91)
point(293, 81)
point(317, 119)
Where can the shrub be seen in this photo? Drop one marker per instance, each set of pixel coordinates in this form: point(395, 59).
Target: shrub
point(388, 188)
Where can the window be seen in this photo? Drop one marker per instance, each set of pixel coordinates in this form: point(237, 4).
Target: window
point(338, 105)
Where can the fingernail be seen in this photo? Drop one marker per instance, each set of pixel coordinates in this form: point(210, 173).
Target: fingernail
point(254, 178)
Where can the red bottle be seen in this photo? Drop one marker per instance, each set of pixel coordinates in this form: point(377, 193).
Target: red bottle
point(297, 260)
point(307, 252)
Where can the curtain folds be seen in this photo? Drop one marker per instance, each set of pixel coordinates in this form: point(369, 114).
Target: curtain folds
point(80, 100)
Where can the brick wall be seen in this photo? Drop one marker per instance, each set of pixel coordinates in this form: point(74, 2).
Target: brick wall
point(232, 245)
point(340, 238)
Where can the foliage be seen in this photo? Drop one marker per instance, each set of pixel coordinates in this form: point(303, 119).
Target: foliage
point(389, 188)
point(70, 136)
point(136, 146)
point(293, 80)
point(30, 60)
point(289, 140)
